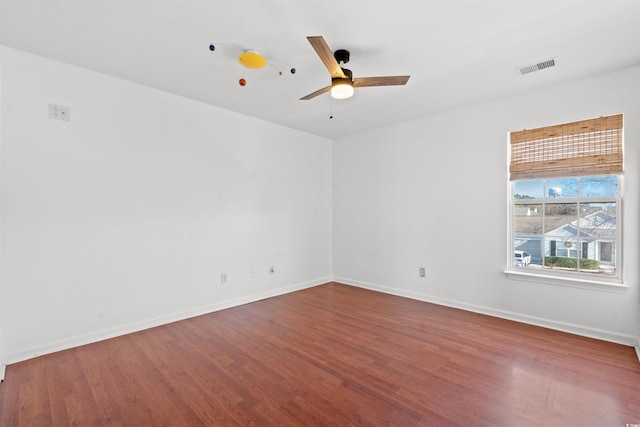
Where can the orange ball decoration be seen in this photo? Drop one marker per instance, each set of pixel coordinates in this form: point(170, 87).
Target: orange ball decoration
point(242, 82)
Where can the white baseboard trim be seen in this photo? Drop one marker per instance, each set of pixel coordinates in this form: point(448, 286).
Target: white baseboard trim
point(2, 371)
point(522, 318)
point(154, 322)
point(638, 352)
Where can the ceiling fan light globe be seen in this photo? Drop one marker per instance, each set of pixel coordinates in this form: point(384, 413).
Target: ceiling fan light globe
point(341, 90)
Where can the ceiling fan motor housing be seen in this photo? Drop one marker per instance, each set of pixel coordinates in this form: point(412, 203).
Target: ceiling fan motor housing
point(347, 73)
point(342, 56)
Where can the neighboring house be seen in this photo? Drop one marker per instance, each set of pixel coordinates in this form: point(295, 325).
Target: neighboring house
point(597, 237)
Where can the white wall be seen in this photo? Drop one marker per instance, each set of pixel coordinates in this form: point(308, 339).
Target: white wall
point(432, 192)
point(126, 216)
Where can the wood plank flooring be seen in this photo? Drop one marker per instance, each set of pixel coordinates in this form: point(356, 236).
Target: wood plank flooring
point(330, 355)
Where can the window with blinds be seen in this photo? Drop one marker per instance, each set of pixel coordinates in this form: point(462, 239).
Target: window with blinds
point(565, 200)
point(587, 147)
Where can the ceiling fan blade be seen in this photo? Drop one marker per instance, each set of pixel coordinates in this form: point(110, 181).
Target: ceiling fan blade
point(325, 54)
point(380, 81)
point(316, 93)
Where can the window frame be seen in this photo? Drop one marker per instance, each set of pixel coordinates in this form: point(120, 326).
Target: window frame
point(580, 149)
point(562, 277)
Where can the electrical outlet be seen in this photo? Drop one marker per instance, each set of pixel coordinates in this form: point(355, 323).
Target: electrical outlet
point(223, 278)
point(423, 272)
point(59, 112)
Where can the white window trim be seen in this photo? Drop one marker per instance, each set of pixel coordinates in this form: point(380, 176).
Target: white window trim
point(559, 280)
point(570, 279)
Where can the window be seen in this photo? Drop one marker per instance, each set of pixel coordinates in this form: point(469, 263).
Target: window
point(566, 200)
point(574, 227)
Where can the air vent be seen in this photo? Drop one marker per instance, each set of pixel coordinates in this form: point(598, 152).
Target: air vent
point(548, 63)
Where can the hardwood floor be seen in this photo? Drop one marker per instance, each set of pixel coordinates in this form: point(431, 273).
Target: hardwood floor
point(330, 355)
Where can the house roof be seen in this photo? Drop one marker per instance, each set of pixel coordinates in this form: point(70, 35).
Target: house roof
point(597, 224)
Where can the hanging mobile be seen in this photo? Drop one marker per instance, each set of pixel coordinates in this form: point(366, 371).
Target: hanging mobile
point(254, 60)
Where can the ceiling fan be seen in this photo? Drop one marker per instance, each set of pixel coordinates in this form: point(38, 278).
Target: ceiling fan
point(342, 81)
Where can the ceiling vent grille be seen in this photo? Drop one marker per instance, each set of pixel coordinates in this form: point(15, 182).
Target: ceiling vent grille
point(548, 63)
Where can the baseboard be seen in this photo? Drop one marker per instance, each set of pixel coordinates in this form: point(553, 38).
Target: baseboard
point(532, 320)
point(154, 322)
point(638, 352)
point(2, 371)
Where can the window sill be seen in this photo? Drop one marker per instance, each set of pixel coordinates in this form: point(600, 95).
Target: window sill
point(574, 282)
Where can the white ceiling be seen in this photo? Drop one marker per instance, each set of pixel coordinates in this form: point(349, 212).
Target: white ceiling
point(458, 52)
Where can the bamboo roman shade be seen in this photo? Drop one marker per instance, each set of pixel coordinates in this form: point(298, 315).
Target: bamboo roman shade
point(584, 148)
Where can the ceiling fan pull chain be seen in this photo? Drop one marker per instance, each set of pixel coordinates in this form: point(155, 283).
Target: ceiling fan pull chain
point(331, 107)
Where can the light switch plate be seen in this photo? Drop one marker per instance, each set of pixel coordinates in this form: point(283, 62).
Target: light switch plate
point(59, 112)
